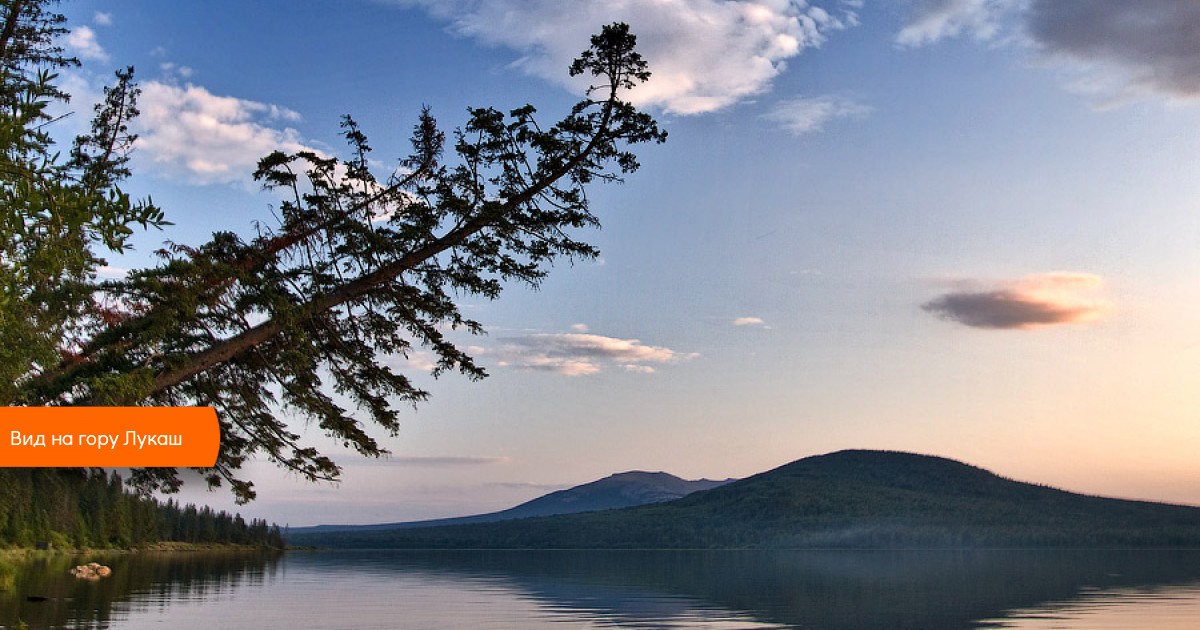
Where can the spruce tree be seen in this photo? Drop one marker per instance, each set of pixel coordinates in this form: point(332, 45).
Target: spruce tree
point(302, 317)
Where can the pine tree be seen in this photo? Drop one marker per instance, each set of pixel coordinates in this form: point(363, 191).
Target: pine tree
point(307, 311)
point(56, 214)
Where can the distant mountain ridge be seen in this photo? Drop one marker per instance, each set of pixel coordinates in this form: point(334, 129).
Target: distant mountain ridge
point(620, 490)
point(848, 499)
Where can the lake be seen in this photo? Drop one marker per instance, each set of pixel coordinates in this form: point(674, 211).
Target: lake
point(861, 590)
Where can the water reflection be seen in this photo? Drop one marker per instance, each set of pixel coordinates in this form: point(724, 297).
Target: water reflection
point(46, 595)
point(806, 589)
point(1166, 608)
point(626, 589)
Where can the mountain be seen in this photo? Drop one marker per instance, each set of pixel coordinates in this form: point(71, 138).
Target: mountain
point(615, 491)
point(848, 499)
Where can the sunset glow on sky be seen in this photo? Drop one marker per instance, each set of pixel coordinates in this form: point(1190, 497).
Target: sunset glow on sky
point(967, 228)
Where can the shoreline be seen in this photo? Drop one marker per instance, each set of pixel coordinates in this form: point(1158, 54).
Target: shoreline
point(20, 553)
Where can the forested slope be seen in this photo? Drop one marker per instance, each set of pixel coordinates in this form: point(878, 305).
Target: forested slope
point(849, 499)
point(77, 508)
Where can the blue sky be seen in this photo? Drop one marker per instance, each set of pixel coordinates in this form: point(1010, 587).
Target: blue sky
point(968, 228)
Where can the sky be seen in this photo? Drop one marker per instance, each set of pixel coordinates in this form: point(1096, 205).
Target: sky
point(965, 228)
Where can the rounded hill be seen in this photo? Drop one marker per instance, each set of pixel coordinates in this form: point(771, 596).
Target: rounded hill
point(854, 498)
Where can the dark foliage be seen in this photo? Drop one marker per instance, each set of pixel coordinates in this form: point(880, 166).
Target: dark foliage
point(308, 318)
point(850, 499)
point(80, 508)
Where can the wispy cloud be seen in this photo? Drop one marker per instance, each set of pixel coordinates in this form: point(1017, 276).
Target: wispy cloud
point(171, 69)
point(193, 134)
point(749, 321)
point(108, 271)
point(1031, 302)
point(444, 461)
point(518, 485)
point(638, 369)
point(810, 114)
point(581, 354)
point(418, 360)
point(102, 19)
point(82, 41)
point(705, 54)
point(934, 20)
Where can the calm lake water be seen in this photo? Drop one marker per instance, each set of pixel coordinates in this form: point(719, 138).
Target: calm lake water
point(860, 590)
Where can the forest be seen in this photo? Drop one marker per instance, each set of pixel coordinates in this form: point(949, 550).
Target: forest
point(90, 508)
point(849, 499)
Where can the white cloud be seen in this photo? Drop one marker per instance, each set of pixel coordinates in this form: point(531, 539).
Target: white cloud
point(170, 68)
point(580, 354)
point(640, 369)
point(579, 327)
point(704, 54)
point(419, 360)
point(82, 42)
point(102, 19)
point(190, 133)
point(108, 271)
point(749, 321)
point(934, 20)
point(84, 95)
point(810, 114)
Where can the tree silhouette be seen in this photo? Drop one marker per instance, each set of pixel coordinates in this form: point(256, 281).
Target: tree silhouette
point(302, 316)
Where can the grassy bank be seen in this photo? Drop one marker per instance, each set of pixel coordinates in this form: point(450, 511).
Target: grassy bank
point(8, 573)
point(12, 557)
point(23, 553)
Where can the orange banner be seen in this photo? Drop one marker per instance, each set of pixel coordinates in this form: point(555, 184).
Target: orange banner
point(116, 437)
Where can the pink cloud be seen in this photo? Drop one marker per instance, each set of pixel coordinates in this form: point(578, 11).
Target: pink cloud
point(1033, 301)
point(583, 354)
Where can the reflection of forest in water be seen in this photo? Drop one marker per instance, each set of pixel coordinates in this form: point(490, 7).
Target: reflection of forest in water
point(808, 589)
point(636, 589)
point(45, 595)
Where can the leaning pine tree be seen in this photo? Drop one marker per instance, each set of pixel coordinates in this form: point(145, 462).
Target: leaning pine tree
point(301, 316)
